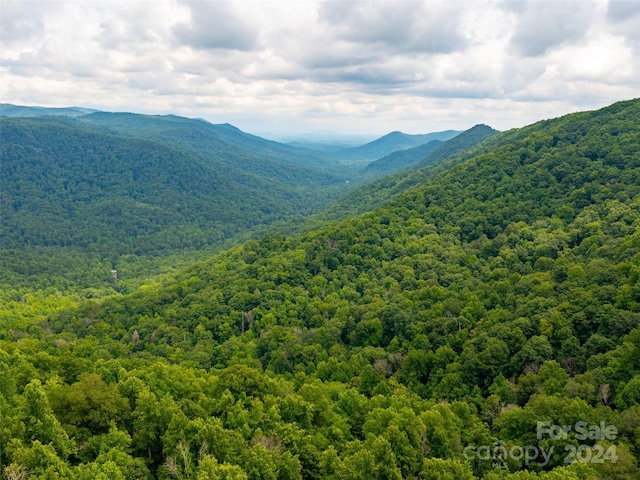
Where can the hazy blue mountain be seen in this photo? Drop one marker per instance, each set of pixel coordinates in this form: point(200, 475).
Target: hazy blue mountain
point(233, 145)
point(325, 146)
point(10, 110)
point(326, 141)
point(392, 142)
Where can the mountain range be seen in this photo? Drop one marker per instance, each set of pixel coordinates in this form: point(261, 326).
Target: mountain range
point(392, 142)
point(431, 152)
point(123, 184)
point(475, 304)
point(10, 110)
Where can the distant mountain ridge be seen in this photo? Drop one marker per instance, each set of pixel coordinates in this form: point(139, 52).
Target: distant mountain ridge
point(11, 110)
point(375, 193)
point(69, 182)
point(392, 142)
point(228, 143)
point(198, 134)
point(467, 139)
point(402, 159)
point(91, 184)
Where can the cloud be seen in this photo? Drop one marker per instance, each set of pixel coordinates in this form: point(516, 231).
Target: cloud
point(22, 21)
point(214, 25)
point(542, 26)
point(397, 27)
point(624, 16)
point(378, 47)
point(340, 65)
point(622, 10)
point(134, 25)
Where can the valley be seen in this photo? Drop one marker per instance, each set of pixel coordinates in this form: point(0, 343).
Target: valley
point(396, 310)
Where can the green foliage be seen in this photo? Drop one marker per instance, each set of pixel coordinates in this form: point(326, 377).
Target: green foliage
point(442, 469)
point(95, 189)
point(402, 159)
point(502, 293)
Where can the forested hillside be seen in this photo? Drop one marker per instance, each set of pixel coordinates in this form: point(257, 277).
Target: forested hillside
point(464, 141)
point(432, 152)
point(221, 144)
point(450, 334)
point(375, 193)
point(402, 159)
point(75, 191)
point(84, 189)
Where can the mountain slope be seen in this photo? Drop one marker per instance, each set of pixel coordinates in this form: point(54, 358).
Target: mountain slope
point(68, 184)
point(224, 142)
point(576, 177)
point(465, 140)
point(402, 159)
point(432, 152)
point(153, 185)
point(375, 193)
point(500, 293)
point(10, 110)
point(392, 142)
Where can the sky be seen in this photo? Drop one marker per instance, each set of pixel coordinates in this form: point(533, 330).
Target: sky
point(284, 69)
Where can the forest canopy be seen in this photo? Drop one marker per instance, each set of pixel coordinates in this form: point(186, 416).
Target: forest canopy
point(440, 336)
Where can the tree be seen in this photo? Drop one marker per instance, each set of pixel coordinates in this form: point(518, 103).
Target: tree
point(629, 394)
point(210, 469)
point(445, 469)
point(89, 404)
point(41, 423)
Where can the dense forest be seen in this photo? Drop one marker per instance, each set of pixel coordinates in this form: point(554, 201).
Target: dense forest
point(128, 195)
point(125, 188)
point(85, 191)
point(400, 160)
point(484, 323)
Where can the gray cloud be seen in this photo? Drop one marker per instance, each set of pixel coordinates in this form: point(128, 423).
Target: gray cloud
point(622, 10)
point(544, 25)
point(214, 25)
point(403, 26)
point(381, 79)
point(385, 63)
point(377, 47)
point(320, 56)
point(20, 21)
point(625, 18)
point(129, 29)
